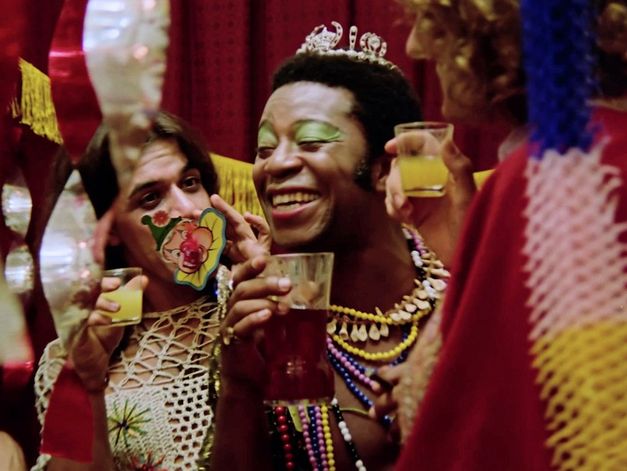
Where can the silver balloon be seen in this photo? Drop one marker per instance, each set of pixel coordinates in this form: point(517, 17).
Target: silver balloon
point(17, 204)
point(125, 43)
point(69, 274)
point(14, 343)
point(19, 270)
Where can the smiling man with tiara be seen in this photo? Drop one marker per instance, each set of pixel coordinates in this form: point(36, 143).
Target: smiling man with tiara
point(320, 173)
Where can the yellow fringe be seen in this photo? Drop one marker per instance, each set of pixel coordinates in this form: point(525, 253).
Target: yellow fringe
point(236, 184)
point(35, 108)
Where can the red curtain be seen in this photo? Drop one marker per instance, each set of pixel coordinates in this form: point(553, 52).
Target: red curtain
point(220, 62)
point(223, 53)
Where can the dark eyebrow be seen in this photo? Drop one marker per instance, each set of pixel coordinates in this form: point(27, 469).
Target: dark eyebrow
point(143, 186)
point(189, 167)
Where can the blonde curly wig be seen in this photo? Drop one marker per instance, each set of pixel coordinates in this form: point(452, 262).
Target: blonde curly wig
point(480, 43)
point(481, 40)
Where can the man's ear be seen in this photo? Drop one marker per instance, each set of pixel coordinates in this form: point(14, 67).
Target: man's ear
point(379, 171)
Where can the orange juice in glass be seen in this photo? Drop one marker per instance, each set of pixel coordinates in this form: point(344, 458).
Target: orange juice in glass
point(419, 148)
point(128, 295)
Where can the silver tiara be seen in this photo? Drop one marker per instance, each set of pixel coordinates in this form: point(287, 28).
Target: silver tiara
point(322, 41)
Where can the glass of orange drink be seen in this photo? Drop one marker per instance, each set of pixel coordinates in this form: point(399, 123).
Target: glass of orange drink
point(419, 147)
point(128, 295)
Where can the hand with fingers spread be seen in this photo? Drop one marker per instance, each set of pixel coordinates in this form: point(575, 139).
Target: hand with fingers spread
point(386, 404)
point(91, 349)
point(242, 243)
point(250, 307)
point(439, 220)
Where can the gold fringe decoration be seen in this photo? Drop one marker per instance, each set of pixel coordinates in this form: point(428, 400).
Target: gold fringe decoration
point(236, 184)
point(35, 107)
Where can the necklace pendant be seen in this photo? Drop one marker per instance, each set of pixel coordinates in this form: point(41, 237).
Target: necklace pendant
point(404, 315)
point(384, 330)
point(422, 293)
point(438, 264)
point(355, 333)
point(411, 308)
point(396, 316)
point(423, 305)
point(373, 332)
point(438, 285)
point(331, 326)
point(362, 333)
point(440, 272)
point(344, 331)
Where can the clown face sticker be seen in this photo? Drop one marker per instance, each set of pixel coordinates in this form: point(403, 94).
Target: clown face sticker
point(194, 247)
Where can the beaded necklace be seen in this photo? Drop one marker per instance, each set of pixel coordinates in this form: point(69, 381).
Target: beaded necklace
point(302, 435)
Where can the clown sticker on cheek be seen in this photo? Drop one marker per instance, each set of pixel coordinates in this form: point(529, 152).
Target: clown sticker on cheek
point(194, 247)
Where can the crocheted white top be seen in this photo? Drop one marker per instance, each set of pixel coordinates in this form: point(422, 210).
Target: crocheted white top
point(157, 401)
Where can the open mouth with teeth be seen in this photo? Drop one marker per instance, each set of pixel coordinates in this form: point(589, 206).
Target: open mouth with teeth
point(288, 201)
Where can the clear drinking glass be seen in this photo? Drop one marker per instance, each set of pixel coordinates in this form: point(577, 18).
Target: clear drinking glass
point(295, 343)
point(419, 148)
point(128, 295)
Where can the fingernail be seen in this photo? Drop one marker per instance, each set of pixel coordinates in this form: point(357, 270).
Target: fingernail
point(371, 413)
point(284, 284)
point(282, 308)
point(263, 314)
point(115, 307)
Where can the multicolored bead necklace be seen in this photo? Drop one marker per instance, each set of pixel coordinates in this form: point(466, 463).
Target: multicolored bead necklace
point(302, 435)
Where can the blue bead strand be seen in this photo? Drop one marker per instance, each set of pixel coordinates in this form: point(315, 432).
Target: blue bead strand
point(313, 434)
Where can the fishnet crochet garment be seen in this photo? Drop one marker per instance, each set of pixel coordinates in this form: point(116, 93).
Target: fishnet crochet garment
point(576, 274)
point(158, 411)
